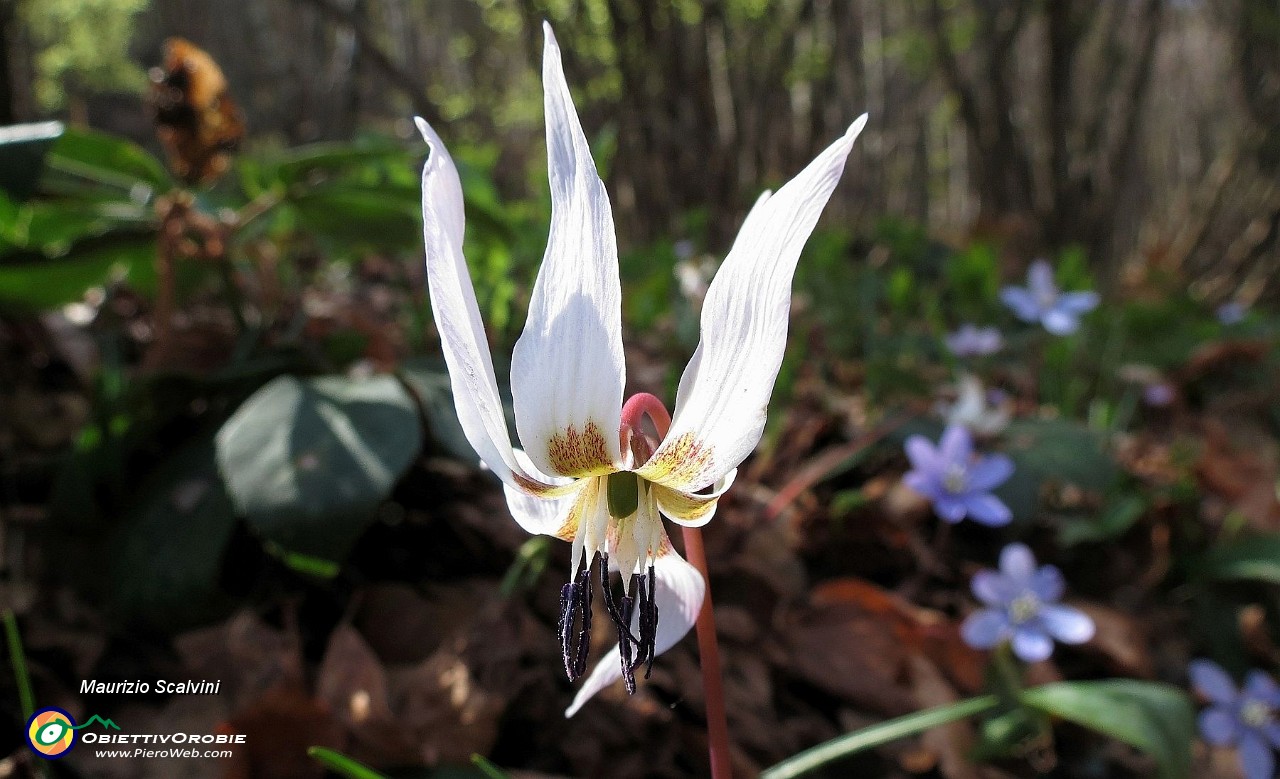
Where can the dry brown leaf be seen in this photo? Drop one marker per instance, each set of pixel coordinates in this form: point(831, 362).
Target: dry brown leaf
point(1244, 477)
point(951, 743)
point(1121, 639)
point(919, 630)
point(444, 710)
point(245, 653)
point(353, 683)
point(403, 625)
point(279, 728)
point(850, 651)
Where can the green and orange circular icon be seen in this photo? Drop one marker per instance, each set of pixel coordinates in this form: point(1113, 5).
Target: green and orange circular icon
point(51, 732)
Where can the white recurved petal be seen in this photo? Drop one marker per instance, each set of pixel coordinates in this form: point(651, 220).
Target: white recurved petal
point(679, 599)
point(542, 515)
point(692, 509)
point(724, 392)
point(567, 370)
point(462, 338)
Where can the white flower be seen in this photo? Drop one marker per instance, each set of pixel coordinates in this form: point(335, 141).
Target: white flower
point(589, 473)
point(975, 410)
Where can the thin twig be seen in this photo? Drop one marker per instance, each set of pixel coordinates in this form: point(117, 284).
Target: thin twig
point(396, 74)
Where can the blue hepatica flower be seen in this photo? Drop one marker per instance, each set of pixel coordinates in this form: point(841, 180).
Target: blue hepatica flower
point(1022, 608)
point(1041, 301)
point(956, 482)
point(1231, 313)
point(1244, 718)
point(973, 341)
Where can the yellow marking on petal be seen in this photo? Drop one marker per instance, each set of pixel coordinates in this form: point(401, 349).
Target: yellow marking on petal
point(586, 501)
point(542, 490)
point(678, 462)
point(580, 454)
point(684, 506)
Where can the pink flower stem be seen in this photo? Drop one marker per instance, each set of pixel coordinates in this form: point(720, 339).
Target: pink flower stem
point(644, 404)
point(712, 684)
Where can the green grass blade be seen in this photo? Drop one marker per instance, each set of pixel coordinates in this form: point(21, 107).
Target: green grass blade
point(488, 768)
point(336, 761)
point(876, 735)
point(18, 659)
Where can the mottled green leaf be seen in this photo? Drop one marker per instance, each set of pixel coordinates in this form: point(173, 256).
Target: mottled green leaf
point(308, 461)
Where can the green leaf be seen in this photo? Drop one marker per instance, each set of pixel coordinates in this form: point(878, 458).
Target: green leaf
point(1115, 520)
point(486, 767)
point(876, 735)
point(105, 159)
point(1254, 558)
point(299, 164)
point(1155, 718)
point(336, 761)
point(33, 281)
point(304, 564)
point(308, 461)
point(1060, 450)
point(361, 215)
point(166, 556)
point(22, 152)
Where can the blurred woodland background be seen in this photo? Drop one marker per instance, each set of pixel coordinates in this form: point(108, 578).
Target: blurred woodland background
point(228, 448)
point(1147, 131)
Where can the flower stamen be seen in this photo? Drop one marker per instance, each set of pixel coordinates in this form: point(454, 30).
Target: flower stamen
point(575, 609)
point(1255, 714)
point(1024, 608)
point(956, 479)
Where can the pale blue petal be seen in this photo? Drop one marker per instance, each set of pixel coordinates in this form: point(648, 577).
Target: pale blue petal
point(1060, 322)
point(1048, 584)
point(1078, 302)
point(1032, 645)
point(949, 507)
point(989, 341)
point(1255, 755)
point(956, 446)
point(1208, 678)
point(1260, 686)
point(984, 629)
point(993, 589)
point(922, 454)
point(986, 509)
point(1272, 732)
point(1040, 280)
point(1018, 564)
point(1068, 625)
point(1022, 302)
point(1218, 727)
point(922, 483)
point(1231, 313)
point(990, 472)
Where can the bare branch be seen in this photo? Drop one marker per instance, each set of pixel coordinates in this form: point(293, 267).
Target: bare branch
point(396, 75)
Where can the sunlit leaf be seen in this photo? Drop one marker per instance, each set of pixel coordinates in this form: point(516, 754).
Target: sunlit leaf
point(308, 461)
point(33, 281)
point(107, 160)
